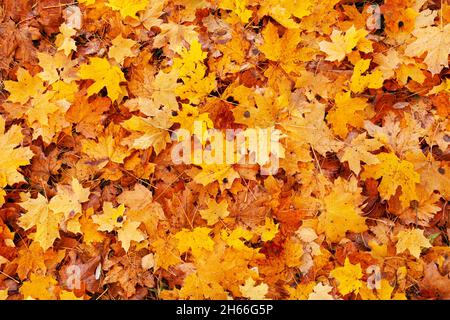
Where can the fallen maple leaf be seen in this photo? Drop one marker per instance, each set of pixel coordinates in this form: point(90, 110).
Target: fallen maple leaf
point(130, 232)
point(128, 8)
point(358, 151)
point(104, 75)
point(321, 292)
point(196, 240)
point(340, 215)
point(412, 240)
point(348, 277)
point(394, 173)
point(343, 44)
point(348, 111)
point(435, 41)
point(40, 216)
point(64, 40)
point(25, 87)
point(215, 211)
point(39, 287)
point(252, 291)
point(111, 218)
point(121, 49)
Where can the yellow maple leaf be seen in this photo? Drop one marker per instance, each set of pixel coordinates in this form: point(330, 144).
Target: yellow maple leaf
point(238, 7)
point(39, 287)
point(220, 270)
point(196, 86)
point(252, 291)
point(234, 53)
point(104, 75)
point(56, 67)
point(384, 292)
point(268, 230)
point(189, 116)
point(141, 208)
point(435, 41)
point(197, 240)
point(321, 292)
point(378, 251)
point(130, 232)
point(433, 175)
point(236, 238)
point(68, 200)
point(348, 111)
point(196, 287)
point(190, 8)
point(285, 11)
point(409, 71)
point(348, 277)
point(30, 259)
point(121, 49)
point(343, 44)
point(340, 215)
point(174, 35)
point(394, 173)
point(151, 16)
point(223, 173)
point(64, 91)
point(301, 291)
point(443, 87)
point(89, 228)
point(190, 59)
point(423, 210)
point(164, 88)
point(261, 109)
point(111, 218)
point(215, 211)
point(388, 62)
point(128, 8)
point(40, 216)
point(13, 156)
point(4, 294)
point(166, 253)
point(56, 123)
point(412, 240)
point(192, 71)
point(398, 135)
point(106, 148)
point(359, 82)
point(285, 49)
point(153, 132)
point(359, 151)
point(69, 295)
point(87, 2)
point(293, 252)
point(308, 126)
point(25, 87)
point(41, 109)
point(64, 40)
point(73, 224)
